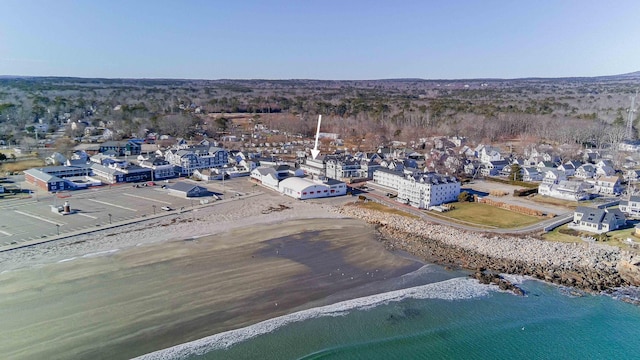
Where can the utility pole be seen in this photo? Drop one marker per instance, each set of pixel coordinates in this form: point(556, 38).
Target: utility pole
point(630, 118)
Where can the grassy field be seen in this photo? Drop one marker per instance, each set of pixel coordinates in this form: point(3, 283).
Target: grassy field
point(556, 235)
point(619, 238)
point(11, 166)
point(614, 238)
point(483, 214)
point(559, 202)
point(372, 205)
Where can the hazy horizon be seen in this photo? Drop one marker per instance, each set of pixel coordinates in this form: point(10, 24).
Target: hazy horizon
point(309, 79)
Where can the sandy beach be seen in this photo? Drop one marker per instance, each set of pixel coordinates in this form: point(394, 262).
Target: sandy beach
point(128, 291)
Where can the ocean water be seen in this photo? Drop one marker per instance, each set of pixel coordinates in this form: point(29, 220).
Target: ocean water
point(455, 318)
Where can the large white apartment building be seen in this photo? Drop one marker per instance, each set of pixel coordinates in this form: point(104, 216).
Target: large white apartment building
point(388, 178)
point(421, 190)
point(188, 159)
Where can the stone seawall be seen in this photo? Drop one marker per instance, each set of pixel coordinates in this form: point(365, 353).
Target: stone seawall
point(592, 267)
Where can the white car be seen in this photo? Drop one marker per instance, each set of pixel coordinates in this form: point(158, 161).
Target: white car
point(166, 208)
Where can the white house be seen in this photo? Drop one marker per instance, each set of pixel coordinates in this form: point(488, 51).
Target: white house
point(632, 175)
point(597, 220)
point(553, 176)
point(267, 176)
point(586, 171)
point(493, 168)
point(570, 167)
point(489, 154)
point(566, 190)
point(605, 171)
point(608, 185)
point(631, 207)
point(531, 174)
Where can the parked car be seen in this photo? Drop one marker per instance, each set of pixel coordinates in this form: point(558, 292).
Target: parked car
point(166, 208)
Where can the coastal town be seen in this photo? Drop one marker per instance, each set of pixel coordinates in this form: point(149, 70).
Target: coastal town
point(319, 180)
point(430, 174)
point(327, 209)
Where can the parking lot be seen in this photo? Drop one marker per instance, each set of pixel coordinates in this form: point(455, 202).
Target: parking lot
point(33, 218)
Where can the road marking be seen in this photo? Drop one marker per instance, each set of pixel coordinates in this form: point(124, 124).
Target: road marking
point(38, 217)
point(6, 233)
point(146, 198)
point(110, 204)
point(85, 215)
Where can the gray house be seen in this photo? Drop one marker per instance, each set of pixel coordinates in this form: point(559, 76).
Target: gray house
point(597, 220)
point(185, 189)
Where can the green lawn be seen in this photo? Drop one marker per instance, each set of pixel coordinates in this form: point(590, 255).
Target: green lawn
point(619, 237)
point(487, 215)
point(614, 238)
point(556, 235)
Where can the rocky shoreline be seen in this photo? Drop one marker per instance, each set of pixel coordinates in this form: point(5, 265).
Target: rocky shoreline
point(589, 267)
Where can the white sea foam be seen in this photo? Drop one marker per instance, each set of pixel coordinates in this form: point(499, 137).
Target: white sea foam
point(453, 289)
point(516, 279)
point(66, 260)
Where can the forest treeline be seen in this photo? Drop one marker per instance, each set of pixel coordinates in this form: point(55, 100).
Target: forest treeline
point(572, 110)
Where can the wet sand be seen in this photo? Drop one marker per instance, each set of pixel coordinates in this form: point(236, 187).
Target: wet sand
point(148, 297)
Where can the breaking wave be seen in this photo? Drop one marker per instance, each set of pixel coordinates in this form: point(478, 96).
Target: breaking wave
point(453, 289)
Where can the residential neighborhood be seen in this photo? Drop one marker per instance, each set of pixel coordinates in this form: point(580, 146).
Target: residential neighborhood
point(424, 175)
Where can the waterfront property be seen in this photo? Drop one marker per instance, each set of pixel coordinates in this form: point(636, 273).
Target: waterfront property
point(185, 189)
point(270, 176)
point(597, 220)
point(421, 190)
point(302, 188)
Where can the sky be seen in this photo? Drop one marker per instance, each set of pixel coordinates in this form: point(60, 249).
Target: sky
point(319, 39)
